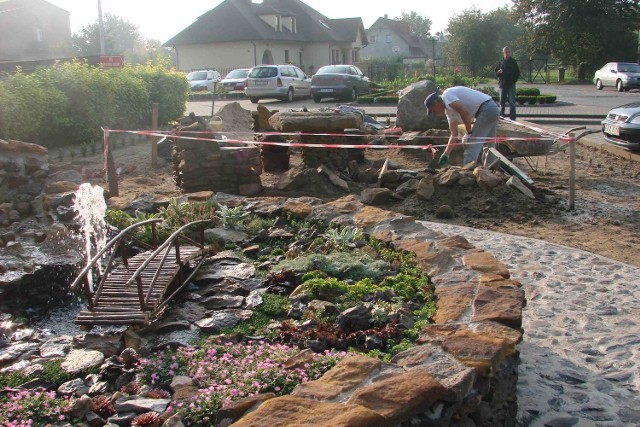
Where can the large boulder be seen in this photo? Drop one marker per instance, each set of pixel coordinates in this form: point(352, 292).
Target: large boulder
point(412, 114)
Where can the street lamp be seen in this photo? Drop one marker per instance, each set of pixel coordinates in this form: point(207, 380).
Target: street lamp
point(101, 28)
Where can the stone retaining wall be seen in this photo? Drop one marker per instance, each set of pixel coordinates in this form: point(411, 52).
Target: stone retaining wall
point(204, 165)
point(463, 371)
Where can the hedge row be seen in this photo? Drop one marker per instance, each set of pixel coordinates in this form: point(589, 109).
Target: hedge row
point(381, 97)
point(532, 99)
point(67, 104)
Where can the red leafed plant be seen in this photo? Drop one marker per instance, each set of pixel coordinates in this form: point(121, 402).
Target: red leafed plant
point(149, 419)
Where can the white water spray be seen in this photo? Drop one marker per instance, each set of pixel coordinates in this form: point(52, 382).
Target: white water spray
point(91, 209)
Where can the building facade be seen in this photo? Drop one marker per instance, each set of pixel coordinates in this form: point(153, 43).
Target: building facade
point(241, 34)
point(32, 30)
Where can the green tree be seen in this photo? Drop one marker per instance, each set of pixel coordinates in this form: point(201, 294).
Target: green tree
point(476, 39)
point(581, 32)
point(121, 37)
point(418, 25)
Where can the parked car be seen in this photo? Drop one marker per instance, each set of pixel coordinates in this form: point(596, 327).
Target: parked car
point(339, 81)
point(285, 82)
point(235, 80)
point(621, 75)
point(203, 79)
point(622, 126)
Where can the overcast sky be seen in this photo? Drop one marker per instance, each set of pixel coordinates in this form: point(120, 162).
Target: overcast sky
point(162, 19)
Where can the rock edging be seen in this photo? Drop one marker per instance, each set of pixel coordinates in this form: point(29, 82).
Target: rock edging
point(463, 370)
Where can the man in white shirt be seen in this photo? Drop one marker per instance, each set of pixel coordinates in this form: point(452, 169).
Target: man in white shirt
point(462, 105)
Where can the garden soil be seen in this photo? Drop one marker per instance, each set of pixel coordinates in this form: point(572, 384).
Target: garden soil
point(605, 221)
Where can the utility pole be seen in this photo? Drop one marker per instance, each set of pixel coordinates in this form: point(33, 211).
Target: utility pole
point(433, 43)
point(101, 28)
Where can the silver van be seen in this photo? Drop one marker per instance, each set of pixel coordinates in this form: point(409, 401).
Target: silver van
point(284, 82)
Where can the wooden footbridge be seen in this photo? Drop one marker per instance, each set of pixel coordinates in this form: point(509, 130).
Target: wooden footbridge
point(135, 289)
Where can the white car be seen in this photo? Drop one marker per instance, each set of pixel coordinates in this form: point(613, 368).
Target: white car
point(203, 79)
point(235, 80)
point(285, 82)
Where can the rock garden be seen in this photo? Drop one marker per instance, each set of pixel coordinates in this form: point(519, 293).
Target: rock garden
point(325, 310)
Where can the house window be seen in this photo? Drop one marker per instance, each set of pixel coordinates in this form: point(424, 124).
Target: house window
point(355, 55)
point(293, 25)
point(38, 35)
point(335, 56)
point(278, 23)
point(373, 39)
point(387, 38)
point(286, 56)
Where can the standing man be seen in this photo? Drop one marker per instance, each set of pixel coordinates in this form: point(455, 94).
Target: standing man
point(508, 73)
point(462, 105)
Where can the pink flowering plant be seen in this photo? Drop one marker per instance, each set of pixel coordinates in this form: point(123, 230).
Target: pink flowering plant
point(231, 371)
point(29, 408)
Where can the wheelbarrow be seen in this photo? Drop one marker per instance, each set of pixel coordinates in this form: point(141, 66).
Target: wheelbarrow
point(528, 147)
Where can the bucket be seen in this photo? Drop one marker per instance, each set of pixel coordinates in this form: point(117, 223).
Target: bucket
point(215, 123)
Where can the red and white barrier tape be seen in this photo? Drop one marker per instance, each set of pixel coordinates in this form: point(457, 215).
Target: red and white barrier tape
point(431, 147)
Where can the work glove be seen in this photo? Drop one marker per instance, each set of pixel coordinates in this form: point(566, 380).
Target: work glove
point(444, 159)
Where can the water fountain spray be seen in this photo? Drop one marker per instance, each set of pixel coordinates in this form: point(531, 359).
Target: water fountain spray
point(91, 209)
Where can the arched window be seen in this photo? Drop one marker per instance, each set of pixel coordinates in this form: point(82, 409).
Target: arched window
point(267, 57)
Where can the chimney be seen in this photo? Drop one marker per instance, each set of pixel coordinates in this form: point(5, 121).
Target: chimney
point(386, 16)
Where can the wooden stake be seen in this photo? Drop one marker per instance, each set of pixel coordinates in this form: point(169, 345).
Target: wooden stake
point(112, 176)
point(154, 126)
point(572, 172)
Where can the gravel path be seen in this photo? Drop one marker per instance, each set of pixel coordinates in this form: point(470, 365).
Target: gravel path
point(580, 358)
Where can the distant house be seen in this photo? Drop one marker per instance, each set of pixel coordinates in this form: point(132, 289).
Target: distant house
point(389, 38)
point(33, 30)
point(240, 33)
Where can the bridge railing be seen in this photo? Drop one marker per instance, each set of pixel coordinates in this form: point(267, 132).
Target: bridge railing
point(118, 240)
point(173, 240)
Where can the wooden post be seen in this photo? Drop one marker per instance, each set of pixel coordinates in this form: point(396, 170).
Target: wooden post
point(572, 172)
point(154, 126)
point(110, 167)
point(213, 98)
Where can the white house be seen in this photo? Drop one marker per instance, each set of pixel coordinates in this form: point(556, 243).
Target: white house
point(240, 33)
point(389, 38)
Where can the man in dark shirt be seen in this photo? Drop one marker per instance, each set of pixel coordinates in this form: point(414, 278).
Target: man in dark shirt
point(508, 73)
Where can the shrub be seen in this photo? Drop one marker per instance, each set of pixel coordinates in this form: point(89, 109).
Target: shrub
point(320, 285)
point(527, 91)
point(347, 265)
point(489, 90)
point(387, 99)
point(167, 88)
point(66, 104)
point(30, 109)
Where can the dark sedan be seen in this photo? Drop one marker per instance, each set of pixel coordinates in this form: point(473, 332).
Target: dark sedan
point(339, 81)
point(622, 126)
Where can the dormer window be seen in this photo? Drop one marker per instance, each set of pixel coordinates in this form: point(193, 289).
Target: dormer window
point(278, 23)
point(294, 29)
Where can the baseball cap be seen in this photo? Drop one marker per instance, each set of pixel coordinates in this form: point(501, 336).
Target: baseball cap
point(430, 100)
